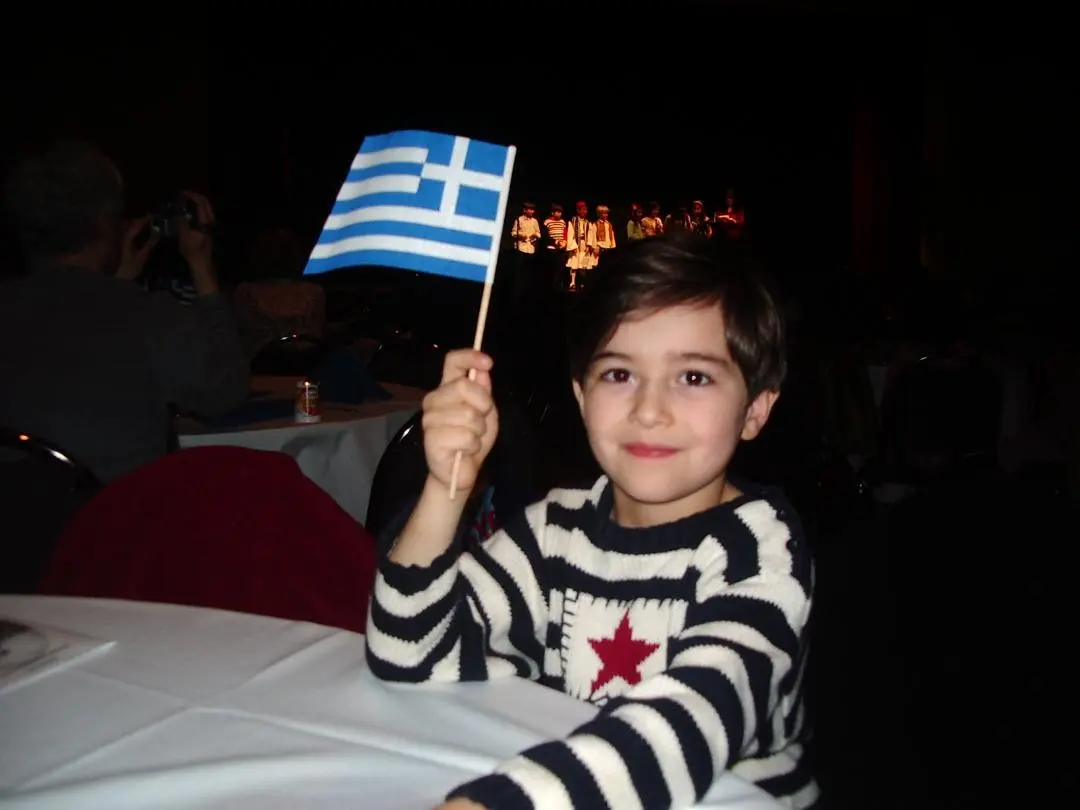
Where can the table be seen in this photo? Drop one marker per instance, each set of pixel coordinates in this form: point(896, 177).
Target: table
point(196, 708)
point(340, 454)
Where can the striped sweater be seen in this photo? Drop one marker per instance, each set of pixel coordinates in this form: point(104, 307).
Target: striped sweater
point(688, 636)
point(556, 229)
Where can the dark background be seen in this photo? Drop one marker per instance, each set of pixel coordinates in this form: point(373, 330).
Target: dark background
point(879, 141)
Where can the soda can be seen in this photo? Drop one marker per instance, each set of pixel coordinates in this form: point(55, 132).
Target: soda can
point(307, 403)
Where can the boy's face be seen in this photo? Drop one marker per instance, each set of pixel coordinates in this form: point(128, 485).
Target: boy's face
point(665, 406)
point(582, 211)
point(529, 211)
point(556, 214)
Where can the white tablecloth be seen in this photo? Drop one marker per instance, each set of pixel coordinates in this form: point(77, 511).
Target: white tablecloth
point(340, 454)
point(197, 708)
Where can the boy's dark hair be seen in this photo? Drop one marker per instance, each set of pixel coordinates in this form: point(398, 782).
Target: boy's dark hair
point(56, 197)
point(677, 270)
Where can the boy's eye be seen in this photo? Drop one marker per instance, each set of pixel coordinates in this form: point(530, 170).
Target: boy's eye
point(615, 375)
point(695, 378)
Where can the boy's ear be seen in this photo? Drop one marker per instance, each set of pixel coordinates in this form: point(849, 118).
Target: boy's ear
point(757, 413)
point(579, 395)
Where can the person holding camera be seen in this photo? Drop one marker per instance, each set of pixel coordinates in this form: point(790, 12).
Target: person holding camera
point(89, 361)
point(189, 270)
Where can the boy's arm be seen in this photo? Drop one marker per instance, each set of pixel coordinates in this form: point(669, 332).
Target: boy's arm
point(437, 615)
point(662, 744)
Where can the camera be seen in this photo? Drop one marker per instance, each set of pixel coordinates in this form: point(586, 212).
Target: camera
point(163, 221)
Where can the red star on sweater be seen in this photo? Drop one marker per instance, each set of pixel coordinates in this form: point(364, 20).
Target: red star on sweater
point(621, 655)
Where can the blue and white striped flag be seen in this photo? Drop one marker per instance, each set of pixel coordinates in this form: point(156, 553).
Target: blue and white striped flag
point(419, 201)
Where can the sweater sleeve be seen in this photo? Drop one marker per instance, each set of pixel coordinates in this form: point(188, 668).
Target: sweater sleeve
point(466, 617)
point(661, 745)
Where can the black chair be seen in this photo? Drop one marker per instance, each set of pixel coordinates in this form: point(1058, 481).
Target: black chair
point(408, 361)
point(398, 478)
point(940, 418)
point(292, 355)
point(510, 468)
point(41, 488)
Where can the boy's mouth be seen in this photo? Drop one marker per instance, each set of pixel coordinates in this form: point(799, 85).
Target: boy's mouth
point(642, 450)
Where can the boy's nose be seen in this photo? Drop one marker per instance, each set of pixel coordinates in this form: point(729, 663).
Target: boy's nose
point(651, 405)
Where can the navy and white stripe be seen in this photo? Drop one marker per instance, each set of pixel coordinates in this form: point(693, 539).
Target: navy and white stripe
point(718, 601)
point(419, 201)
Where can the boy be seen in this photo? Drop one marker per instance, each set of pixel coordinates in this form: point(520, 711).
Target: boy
point(731, 220)
point(653, 224)
point(666, 595)
point(581, 245)
point(555, 226)
point(605, 231)
point(699, 222)
point(525, 233)
point(634, 229)
point(526, 230)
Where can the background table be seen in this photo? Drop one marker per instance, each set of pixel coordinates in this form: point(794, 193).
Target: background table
point(197, 708)
point(340, 454)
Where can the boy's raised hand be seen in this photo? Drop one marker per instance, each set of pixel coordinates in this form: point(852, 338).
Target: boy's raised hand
point(460, 415)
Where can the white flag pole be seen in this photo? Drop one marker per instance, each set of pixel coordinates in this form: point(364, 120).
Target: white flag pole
point(489, 282)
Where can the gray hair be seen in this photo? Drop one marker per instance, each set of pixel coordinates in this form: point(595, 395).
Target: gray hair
point(58, 197)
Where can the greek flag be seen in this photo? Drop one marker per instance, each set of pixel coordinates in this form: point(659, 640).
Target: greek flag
point(419, 201)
